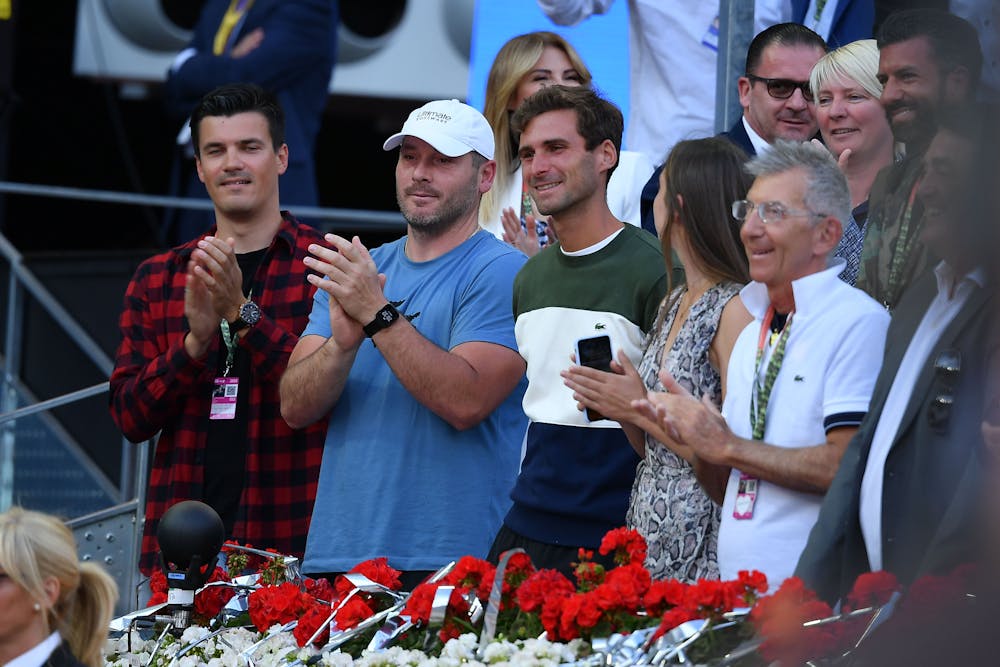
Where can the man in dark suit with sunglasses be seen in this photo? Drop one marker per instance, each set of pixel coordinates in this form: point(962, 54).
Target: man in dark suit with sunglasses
point(906, 498)
point(774, 92)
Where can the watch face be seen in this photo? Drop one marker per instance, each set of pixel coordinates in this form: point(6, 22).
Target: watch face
point(250, 313)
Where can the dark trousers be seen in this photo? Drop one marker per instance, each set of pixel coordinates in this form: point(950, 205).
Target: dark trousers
point(544, 556)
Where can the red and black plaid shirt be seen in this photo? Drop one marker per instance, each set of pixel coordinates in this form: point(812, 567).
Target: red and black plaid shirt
point(157, 387)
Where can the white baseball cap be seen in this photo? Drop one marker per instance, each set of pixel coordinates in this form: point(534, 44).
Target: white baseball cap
point(451, 127)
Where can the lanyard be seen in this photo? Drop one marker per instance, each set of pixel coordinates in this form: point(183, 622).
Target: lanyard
point(901, 251)
point(762, 390)
point(229, 338)
point(232, 20)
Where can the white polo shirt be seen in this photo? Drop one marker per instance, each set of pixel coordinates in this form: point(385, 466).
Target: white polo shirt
point(832, 357)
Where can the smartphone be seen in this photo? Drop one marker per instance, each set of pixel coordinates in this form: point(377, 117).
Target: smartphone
point(594, 352)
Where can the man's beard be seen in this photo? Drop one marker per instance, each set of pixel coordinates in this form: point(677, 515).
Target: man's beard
point(447, 214)
point(920, 128)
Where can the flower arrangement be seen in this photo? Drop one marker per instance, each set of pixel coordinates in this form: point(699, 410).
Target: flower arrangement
point(475, 612)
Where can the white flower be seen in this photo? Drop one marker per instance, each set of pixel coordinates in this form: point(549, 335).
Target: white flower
point(193, 634)
point(336, 659)
point(461, 649)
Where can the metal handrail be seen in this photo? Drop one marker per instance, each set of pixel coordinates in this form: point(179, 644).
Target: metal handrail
point(58, 401)
point(344, 217)
point(53, 308)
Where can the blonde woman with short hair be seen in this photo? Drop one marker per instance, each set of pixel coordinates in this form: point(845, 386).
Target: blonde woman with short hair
point(853, 125)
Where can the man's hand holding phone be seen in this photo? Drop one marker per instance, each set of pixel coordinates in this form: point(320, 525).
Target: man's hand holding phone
point(594, 352)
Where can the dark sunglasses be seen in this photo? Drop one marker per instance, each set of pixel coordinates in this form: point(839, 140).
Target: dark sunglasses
point(947, 367)
point(782, 89)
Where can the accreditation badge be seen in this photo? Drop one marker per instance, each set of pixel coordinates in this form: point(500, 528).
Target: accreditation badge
point(746, 497)
point(224, 398)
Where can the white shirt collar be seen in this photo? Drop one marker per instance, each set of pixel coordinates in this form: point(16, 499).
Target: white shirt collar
point(37, 656)
point(590, 250)
point(948, 282)
point(809, 291)
point(759, 145)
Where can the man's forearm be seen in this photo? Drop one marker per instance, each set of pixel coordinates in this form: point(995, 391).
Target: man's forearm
point(445, 382)
point(314, 380)
point(809, 469)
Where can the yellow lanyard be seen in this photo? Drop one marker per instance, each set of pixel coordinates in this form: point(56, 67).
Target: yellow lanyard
point(233, 16)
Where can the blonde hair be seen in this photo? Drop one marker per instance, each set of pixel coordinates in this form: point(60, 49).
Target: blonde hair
point(515, 59)
point(857, 61)
point(35, 547)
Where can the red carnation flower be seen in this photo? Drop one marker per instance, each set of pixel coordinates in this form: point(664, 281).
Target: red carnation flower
point(589, 575)
point(319, 589)
point(310, 622)
point(421, 600)
point(671, 619)
point(158, 581)
point(276, 605)
point(871, 589)
point(779, 620)
point(712, 598)
point(209, 602)
point(627, 544)
point(663, 595)
point(579, 612)
point(376, 569)
point(472, 574)
point(518, 569)
point(353, 612)
point(623, 588)
point(552, 614)
point(754, 584)
point(541, 586)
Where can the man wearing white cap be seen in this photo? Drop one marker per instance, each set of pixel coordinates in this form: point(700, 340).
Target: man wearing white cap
point(410, 348)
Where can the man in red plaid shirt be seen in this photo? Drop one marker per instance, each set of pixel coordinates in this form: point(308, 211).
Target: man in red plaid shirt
point(207, 329)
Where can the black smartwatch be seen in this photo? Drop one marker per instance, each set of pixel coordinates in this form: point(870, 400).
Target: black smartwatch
point(249, 316)
point(383, 320)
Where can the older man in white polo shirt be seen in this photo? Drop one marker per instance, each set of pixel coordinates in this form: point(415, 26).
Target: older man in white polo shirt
point(801, 374)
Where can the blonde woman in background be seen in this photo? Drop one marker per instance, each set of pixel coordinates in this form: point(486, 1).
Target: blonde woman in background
point(524, 65)
point(853, 125)
point(54, 610)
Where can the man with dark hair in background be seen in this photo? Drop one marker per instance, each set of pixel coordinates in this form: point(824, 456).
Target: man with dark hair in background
point(288, 47)
point(774, 91)
point(928, 60)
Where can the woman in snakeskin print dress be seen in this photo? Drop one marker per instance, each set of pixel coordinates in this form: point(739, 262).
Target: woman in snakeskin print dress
point(698, 324)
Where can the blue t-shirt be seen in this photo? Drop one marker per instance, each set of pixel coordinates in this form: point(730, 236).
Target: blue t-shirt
point(397, 480)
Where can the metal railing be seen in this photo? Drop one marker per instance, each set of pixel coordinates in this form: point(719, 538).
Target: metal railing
point(22, 280)
point(334, 218)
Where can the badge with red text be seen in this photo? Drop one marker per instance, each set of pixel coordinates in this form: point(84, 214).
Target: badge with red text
point(746, 497)
point(224, 398)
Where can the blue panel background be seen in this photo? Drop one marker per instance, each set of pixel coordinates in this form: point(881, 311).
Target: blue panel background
point(601, 40)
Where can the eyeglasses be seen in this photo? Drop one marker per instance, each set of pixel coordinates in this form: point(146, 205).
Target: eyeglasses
point(782, 89)
point(947, 367)
point(768, 211)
